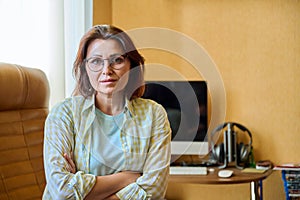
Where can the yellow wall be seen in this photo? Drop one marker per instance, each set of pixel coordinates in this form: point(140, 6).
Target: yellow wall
point(102, 11)
point(256, 47)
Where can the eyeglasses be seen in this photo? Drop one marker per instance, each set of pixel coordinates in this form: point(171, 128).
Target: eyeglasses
point(97, 63)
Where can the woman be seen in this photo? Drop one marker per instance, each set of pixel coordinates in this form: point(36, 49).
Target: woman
point(105, 142)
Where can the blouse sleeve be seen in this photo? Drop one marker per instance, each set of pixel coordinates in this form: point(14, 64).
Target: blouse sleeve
point(153, 182)
point(59, 139)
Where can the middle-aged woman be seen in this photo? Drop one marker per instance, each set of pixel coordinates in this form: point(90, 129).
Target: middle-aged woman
point(106, 142)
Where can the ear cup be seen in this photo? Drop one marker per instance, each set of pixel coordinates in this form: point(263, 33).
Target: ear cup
point(243, 152)
point(218, 153)
point(217, 150)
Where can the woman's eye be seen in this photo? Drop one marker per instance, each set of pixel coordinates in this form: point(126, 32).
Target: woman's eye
point(118, 60)
point(96, 61)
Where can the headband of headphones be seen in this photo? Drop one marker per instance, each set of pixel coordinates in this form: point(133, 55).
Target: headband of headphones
point(221, 126)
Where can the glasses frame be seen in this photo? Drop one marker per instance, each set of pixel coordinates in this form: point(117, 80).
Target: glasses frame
point(110, 60)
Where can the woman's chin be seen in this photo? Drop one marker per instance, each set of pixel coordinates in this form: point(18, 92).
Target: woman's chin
point(110, 92)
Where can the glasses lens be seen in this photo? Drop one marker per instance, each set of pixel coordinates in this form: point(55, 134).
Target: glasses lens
point(95, 64)
point(117, 61)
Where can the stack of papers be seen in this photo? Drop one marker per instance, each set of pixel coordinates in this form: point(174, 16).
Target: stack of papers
point(253, 170)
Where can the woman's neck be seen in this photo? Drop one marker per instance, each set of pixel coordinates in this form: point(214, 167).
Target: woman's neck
point(110, 104)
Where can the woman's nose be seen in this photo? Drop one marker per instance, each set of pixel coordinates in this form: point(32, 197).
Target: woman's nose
point(106, 67)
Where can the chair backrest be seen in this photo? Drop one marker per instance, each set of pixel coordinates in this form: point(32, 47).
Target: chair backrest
point(24, 99)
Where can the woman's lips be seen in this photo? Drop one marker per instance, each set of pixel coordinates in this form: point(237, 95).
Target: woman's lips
point(108, 81)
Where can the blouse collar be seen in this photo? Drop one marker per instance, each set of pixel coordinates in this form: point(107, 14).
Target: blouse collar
point(90, 104)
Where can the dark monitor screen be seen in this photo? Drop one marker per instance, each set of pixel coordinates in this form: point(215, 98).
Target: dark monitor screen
point(186, 106)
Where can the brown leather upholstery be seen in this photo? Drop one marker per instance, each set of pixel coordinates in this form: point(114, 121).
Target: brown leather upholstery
point(24, 97)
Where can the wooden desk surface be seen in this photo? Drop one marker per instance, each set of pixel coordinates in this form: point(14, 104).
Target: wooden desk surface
point(212, 177)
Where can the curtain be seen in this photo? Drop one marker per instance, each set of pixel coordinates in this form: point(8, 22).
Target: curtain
point(45, 34)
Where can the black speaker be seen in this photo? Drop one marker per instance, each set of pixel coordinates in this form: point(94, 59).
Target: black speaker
point(230, 149)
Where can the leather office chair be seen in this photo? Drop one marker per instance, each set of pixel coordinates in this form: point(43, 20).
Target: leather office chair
point(24, 97)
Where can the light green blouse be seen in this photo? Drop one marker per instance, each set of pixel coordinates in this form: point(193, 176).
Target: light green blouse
point(145, 137)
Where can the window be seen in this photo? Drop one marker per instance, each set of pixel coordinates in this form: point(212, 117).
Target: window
point(44, 34)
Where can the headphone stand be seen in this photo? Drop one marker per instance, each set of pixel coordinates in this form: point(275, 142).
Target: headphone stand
point(230, 148)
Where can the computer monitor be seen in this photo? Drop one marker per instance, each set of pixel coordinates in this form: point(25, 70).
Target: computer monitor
point(187, 108)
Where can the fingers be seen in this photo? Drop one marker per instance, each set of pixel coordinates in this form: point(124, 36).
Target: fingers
point(131, 176)
point(72, 161)
point(71, 167)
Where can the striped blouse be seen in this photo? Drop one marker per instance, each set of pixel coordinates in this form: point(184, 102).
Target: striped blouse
point(145, 138)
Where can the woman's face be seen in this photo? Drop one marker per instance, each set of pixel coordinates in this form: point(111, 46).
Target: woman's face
point(107, 69)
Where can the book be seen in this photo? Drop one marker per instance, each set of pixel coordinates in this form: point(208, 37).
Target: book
point(291, 182)
point(288, 167)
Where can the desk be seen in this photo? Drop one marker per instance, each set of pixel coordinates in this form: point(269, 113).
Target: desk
point(255, 180)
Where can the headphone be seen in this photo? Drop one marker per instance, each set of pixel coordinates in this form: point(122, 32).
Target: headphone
point(219, 152)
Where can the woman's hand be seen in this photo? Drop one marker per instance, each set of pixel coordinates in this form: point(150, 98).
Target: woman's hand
point(71, 167)
point(122, 179)
point(107, 186)
point(131, 176)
